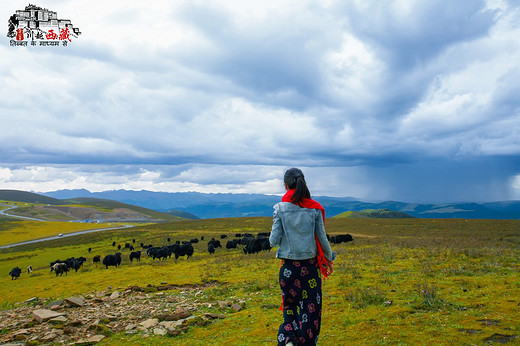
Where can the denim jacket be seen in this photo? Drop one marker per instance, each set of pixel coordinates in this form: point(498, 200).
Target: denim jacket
point(293, 231)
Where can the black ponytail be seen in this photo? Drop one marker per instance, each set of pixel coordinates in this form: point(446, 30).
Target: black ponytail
point(294, 179)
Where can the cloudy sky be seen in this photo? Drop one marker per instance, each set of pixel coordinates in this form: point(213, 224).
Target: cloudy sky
point(416, 101)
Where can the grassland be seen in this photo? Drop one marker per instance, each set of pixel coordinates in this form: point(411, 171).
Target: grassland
point(374, 213)
point(401, 282)
point(16, 231)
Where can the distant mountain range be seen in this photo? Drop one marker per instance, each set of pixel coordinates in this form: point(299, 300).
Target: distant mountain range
point(239, 205)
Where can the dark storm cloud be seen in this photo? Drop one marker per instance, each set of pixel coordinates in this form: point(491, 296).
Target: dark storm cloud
point(448, 180)
point(409, 34)
point(277, 60)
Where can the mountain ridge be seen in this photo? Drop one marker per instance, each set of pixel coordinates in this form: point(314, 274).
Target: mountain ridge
point(220, 205)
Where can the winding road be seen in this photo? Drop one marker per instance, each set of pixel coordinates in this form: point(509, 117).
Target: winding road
point(3, 212)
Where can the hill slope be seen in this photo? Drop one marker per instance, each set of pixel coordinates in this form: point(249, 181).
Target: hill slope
point(374, 213)
point(32, 205)
point(27, 197)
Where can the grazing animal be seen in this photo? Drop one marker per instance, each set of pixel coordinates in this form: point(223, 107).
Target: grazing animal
point(89, 249)
point(112, 260)
point(202, 238)
point(264, 234)
point(136, 255)
point(127, 245)
point(211, 248)
point(77, 263)
point(169, 240)
point(215, 243)
point(60, 268)
point(194, 240)
point(184, 250)
point(161, 253)
point(223, 236)
point(54, 262)
point(245, 238)
point(113, 243)
point(29, 269)
point(119, 246)
point(96, 259)
point(133, 241)
point(15, 273)
point(232, 244)
point(341, 238)
point(172, 247)
point(69, 262)
point(151, 250)
point(257, 245)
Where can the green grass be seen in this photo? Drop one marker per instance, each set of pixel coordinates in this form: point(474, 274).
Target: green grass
point(402, 281)
point(373, 213)
point(14, 230)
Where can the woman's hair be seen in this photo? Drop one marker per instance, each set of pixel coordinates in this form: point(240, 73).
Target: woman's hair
point(294, 179)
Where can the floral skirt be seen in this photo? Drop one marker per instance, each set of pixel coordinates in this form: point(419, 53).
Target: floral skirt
point(301, 291)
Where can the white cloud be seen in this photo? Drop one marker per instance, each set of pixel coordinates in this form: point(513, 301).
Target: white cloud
point(5, 174)
point(239, 88)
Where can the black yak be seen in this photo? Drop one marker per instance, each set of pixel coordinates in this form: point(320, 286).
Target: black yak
point(112, 260)
point(15, 273)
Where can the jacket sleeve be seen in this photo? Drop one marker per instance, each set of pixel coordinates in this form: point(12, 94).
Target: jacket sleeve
point(322, 238)
point(277, 229)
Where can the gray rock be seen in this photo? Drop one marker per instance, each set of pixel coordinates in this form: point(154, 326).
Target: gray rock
point(223, 304)
point(21, 331)
point(75, 301)
point(42, 315)
point(152, 322)
point(59, 319)
point(171, 325)
point(49, 336)
point(55, 305)
point(176, 315)
point(130, 326)
point(91, 340)
point(159, 331)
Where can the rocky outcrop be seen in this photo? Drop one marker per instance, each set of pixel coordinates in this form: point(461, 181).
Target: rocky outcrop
point(160, 310)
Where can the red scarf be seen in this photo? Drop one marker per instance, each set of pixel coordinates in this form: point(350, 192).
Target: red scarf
point(323, 263)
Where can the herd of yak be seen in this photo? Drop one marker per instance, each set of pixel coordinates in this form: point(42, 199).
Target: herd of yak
point(251, 245)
